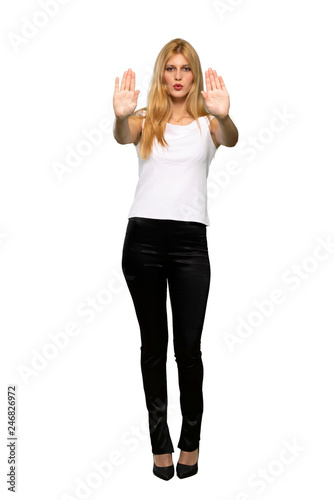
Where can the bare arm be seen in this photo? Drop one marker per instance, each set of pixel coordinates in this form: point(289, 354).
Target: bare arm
point(226, 133)
point(217, 101)
point(126, 129)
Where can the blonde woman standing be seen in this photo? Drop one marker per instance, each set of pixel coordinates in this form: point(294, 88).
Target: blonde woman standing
point(176, 137)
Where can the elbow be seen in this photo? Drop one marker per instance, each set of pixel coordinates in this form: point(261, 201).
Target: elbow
point(118, 140)
point(233, 141)
point(117, 136)
point(232, 144)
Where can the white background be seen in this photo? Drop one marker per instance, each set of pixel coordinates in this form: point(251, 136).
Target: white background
point(61, 241)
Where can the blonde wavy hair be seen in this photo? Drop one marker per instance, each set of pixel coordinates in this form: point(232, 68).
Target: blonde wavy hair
point(159, 103)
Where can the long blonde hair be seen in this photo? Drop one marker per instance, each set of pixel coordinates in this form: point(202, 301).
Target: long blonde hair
point(159, 103)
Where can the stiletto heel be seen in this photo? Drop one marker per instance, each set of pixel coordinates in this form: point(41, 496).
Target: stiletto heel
point(184, 471)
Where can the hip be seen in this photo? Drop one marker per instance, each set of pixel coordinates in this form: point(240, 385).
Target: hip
point(166, 235)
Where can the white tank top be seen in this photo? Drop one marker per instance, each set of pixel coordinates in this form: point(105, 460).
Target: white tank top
point(172, 181)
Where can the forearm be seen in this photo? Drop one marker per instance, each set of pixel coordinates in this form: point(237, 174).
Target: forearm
point(122, 132)
point(228, 131)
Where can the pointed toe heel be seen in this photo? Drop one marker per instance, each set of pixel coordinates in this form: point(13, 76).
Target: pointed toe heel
point(165, 473)
point(183, 471)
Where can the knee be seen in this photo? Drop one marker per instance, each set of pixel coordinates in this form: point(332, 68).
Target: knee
point(154, 352)
point(188, 357)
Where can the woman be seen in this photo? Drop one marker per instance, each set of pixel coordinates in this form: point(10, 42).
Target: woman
point(176, 137)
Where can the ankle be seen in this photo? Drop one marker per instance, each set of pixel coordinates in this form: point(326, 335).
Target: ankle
point(163, 460)
point(189, 457)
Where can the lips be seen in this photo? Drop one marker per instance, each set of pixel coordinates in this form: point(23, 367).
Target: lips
point(178, 87)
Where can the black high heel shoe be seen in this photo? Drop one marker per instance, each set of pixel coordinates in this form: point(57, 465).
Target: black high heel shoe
point(184, 471)
point(165, 473)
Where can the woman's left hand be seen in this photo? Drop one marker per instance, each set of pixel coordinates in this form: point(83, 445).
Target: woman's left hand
point(216, 97)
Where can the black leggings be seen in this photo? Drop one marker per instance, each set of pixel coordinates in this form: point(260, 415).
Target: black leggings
point(157, 251)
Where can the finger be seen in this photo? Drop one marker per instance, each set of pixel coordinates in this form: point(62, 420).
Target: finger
point(124, 80)
point(207, 81)
point(213, 76)
point(217, 82)
point(222, 83)
point(128, 80)
point(133, 81)
point(116, 85)
point(212, 80)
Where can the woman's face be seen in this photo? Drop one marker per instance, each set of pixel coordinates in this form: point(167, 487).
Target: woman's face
point(178, 72)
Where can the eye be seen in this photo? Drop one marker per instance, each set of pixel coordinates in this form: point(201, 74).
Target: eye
point(170, 68)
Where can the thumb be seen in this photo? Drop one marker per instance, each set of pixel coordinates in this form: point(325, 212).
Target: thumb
point(135, 95)
point(203, 94)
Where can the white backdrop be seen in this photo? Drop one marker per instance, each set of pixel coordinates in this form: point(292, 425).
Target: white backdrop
point(69, 336)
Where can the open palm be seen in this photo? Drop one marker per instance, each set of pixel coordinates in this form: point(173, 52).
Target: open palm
point(125, 98)
point(216, 97)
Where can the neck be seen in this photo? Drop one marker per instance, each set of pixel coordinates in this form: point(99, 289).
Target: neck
point(179, 108)
point(178, 115)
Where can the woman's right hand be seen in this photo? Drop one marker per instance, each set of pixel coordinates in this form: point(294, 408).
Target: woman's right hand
point(125, 98)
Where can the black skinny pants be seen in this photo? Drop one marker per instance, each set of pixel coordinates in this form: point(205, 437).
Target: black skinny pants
point(157, 251)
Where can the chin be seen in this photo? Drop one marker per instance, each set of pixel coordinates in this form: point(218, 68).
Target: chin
point(182, 92)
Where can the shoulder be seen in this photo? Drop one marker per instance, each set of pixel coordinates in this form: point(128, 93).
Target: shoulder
point(138, 116)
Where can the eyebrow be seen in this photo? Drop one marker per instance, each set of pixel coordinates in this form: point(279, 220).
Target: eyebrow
point(183, 65)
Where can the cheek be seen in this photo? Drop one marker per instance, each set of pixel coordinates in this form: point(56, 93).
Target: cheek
point(190, 79)
point(167, 77)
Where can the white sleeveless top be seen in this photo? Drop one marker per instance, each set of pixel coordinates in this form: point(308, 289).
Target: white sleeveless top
point(172, 181)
